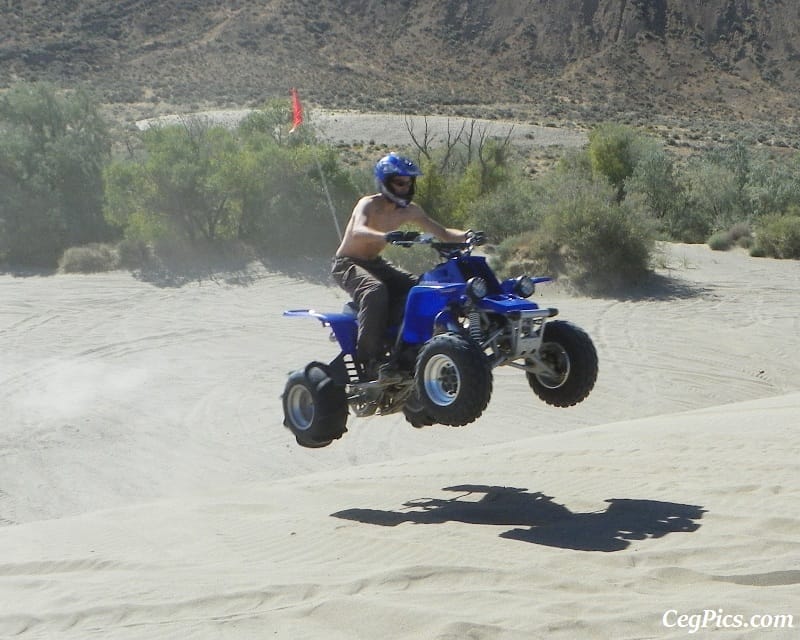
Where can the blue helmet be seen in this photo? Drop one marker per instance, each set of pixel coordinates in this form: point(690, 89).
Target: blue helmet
point(393, 165)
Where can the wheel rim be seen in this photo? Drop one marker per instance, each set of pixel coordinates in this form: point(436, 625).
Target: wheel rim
point(442, 380)
point(557, 363)
point(300, 407)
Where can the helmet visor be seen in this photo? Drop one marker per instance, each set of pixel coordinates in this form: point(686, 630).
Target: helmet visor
point(401, 182)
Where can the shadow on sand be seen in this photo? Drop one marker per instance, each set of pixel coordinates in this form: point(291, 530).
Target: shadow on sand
point(537, 519)
point(243, 267)
point(23, 272)
point(654, 287)
point(236, 271)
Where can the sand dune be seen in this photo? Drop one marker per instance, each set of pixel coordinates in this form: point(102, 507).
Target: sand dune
point(148, 489)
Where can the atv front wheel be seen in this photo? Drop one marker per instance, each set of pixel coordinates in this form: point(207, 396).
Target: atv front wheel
point(568, 365)
point(454, 379)
point(314, 407)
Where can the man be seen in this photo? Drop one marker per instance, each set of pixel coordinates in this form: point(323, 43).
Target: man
point(378, 287)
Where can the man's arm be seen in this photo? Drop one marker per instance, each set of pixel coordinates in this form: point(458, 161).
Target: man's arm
point(431, 226)
point(360, 228)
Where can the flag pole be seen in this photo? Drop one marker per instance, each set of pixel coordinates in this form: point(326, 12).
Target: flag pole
point(328, 196)
point(297, 120)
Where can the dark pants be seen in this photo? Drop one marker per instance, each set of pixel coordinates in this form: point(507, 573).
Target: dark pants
point(379, 289)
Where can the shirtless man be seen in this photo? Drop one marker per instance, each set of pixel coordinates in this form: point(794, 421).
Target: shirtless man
point(378, 287)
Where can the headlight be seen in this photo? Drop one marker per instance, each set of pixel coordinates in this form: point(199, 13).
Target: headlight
point(524, 286)
point(477, 288)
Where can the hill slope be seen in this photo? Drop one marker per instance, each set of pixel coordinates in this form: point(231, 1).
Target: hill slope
point(586, 60)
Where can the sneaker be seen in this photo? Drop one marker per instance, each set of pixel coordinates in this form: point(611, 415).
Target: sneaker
point(389, 374)
point(382, 372)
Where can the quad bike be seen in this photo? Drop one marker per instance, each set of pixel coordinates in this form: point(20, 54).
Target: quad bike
point(460, 322)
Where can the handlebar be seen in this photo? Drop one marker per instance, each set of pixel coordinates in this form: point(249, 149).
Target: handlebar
point(445, 249)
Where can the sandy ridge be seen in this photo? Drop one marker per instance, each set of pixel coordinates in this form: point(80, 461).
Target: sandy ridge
point(148, 489)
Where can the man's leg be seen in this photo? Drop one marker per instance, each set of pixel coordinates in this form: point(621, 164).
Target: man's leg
point(372, 298)
point(398, 283)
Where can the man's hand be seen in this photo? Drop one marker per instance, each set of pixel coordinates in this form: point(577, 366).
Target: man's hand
point(477, 238)
point(401, 236)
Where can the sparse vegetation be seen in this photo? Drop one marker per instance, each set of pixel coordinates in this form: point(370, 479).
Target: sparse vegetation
point(778, 236)
point(592, 216)
point(582, 232)
point(720, 241)
point(90, 258)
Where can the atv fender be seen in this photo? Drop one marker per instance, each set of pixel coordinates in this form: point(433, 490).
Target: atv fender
point(343, 325)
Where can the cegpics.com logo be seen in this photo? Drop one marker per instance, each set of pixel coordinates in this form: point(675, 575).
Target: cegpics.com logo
point(718, 619)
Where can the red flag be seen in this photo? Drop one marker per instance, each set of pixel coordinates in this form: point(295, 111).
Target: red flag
point(297, 111)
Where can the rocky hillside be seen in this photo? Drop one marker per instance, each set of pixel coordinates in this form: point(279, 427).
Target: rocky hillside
point(580, 60)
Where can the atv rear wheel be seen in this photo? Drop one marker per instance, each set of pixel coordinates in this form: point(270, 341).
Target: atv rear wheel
point(314, 407)
point(570, 365)
point(453, 379)
point(415, 413)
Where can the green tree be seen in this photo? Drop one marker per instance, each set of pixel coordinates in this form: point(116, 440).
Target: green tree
point(613, 154)
point(181, 185)
point(285, 207)
point(53, 149)
point(201, 183)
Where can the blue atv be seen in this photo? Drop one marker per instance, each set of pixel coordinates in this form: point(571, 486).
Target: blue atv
point(460, 323)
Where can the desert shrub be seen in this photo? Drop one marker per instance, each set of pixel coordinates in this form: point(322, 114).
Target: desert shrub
point(53, 148)
point(655, 185)
point(575, 162)
point(90, 258)
point(604, 245)
point(713, 200)
point(689, 224)
point(737, 158)
point(778, 236)
point(527, 253)
point(598, 244)
point(741, 235)
point(773, 186)
point(720, 241)
point(505, 212)
point(738, 234)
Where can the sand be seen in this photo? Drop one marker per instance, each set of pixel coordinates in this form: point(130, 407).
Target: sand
point(149, 490)
point(399, 130)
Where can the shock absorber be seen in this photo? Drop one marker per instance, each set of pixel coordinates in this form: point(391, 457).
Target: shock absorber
point(475, 326)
